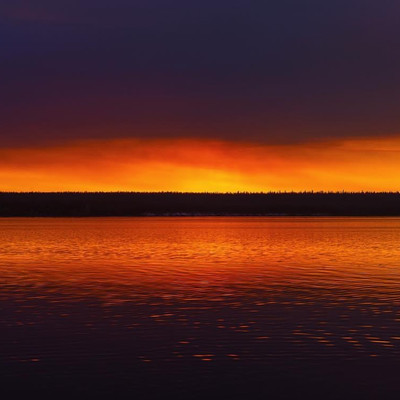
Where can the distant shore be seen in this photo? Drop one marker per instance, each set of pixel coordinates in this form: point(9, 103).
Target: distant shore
point(102, 204)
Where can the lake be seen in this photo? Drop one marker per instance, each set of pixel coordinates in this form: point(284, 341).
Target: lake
point(217, 307)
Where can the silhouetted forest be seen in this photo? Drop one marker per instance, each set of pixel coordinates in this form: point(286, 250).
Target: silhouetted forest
point(74, 204)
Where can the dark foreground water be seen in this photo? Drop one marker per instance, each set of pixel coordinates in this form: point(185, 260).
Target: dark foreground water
point(200, 308)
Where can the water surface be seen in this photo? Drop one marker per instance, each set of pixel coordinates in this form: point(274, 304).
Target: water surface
point(236, 305)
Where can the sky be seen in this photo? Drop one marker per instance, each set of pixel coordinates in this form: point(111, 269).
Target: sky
point(199, 96)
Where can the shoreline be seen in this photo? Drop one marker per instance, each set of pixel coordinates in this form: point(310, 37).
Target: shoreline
point(169, 204)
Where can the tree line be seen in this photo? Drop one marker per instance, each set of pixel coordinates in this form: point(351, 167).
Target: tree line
point(86, 204)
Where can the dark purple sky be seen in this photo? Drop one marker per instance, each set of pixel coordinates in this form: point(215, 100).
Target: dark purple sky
point(268, 71)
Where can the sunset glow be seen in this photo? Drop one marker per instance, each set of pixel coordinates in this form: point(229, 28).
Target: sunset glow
point(200, 199)
point(202, 165)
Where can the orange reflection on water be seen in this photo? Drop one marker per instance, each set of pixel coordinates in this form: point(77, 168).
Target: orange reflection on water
point(201, 253)
point(236, 288)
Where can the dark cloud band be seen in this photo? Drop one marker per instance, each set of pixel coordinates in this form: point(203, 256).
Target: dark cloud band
point(287, 71)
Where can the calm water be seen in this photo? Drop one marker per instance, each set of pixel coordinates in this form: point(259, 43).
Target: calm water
point(241, 306)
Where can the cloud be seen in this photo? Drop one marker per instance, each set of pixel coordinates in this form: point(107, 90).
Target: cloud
point(270, 72)
point(202, 165)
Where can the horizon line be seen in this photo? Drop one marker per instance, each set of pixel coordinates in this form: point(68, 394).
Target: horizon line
point(204, 192)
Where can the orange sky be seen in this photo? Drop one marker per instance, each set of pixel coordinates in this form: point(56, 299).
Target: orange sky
point(202, 165)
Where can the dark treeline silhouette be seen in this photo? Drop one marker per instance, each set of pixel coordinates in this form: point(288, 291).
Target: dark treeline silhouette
point(86, 204)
